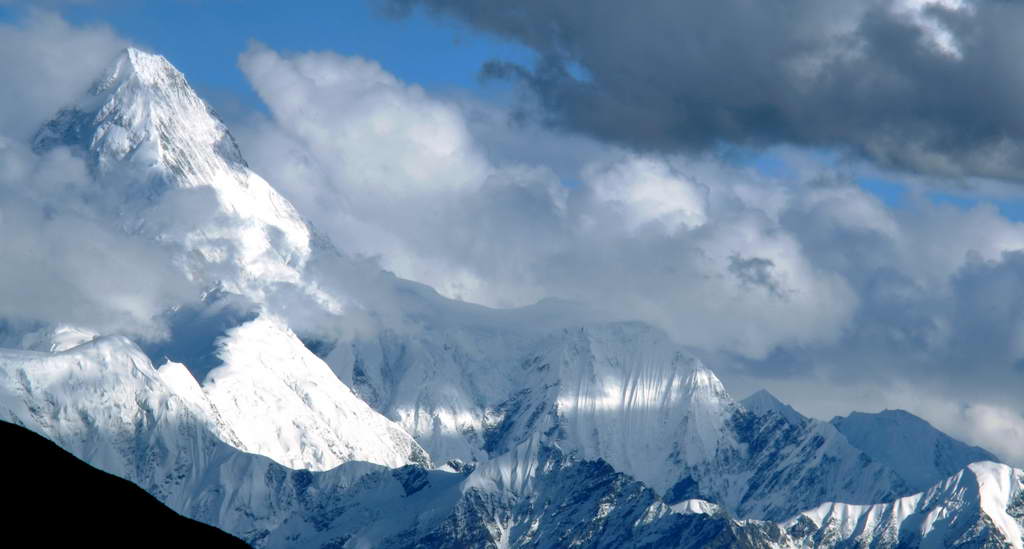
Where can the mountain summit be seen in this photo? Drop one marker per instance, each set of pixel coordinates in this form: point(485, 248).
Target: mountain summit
point(144, 111)
point(167, 168)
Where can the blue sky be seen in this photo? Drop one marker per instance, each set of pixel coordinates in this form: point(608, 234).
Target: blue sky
point(204, 38)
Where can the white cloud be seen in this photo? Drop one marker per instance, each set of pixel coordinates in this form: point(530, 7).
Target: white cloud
point(46, 63)
point(63, 265)
point(637, 236)
point(644, 191)
point(768, 278)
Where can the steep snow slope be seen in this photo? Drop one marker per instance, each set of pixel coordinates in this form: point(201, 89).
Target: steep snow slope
point(763, 402)
point(980, 506)
point(284, 403)
point(621, 392)
point(920, 453)
point(105, 403)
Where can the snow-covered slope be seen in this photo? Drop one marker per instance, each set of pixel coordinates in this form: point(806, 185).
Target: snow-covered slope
point(980, 506)
point(763, 402)
point(283, 402)
point(105, 403)
point(920, 453)
point(621, 392)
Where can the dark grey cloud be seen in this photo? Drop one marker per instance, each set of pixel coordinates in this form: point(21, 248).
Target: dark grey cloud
point(927, 86)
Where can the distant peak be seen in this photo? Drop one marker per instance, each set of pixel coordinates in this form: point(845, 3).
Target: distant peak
point(762, 402)
point(885, 415)
point(762, 395)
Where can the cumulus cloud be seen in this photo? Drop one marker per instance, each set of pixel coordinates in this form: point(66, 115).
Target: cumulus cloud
point(930, 86)
point(63, 261)
point(808, 280)
point(634, 237)
point(62, 264)
point(47, 63)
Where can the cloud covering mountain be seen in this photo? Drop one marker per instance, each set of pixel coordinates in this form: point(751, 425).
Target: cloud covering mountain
point(795, 280)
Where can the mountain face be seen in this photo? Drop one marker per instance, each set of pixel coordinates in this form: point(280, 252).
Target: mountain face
point(980, 506)
point(167, 168)
point(453, 426)
point(910, 446)
point(618, 392)
point(763, 402)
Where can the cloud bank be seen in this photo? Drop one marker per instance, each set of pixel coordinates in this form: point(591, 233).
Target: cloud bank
point(803, 281)
point(929, 86)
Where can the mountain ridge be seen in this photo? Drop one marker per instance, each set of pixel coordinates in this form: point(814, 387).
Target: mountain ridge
point(472, 420)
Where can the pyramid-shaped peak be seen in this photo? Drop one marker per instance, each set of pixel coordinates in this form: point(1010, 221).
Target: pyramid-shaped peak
point(763, 396)
point(703, 386)
point(763, 402)
point(142, 111)
point(146, 137)
point(148, 69)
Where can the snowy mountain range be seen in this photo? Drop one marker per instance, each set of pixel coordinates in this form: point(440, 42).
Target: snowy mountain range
point(439, 423)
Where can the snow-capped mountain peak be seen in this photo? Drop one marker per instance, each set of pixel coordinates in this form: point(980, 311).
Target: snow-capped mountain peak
point(909, 445)
point(167, 168)
point(144, 111)
point(762, 402)
point(148, 69)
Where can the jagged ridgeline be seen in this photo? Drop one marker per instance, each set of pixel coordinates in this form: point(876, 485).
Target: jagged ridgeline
point(461, 427)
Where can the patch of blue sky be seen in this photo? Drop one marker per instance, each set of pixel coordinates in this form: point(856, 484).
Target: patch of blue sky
point(204, 39)
point(778, 163)
point(891, 193)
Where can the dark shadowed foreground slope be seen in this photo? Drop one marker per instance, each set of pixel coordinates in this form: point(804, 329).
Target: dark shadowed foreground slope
point(55, 500)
